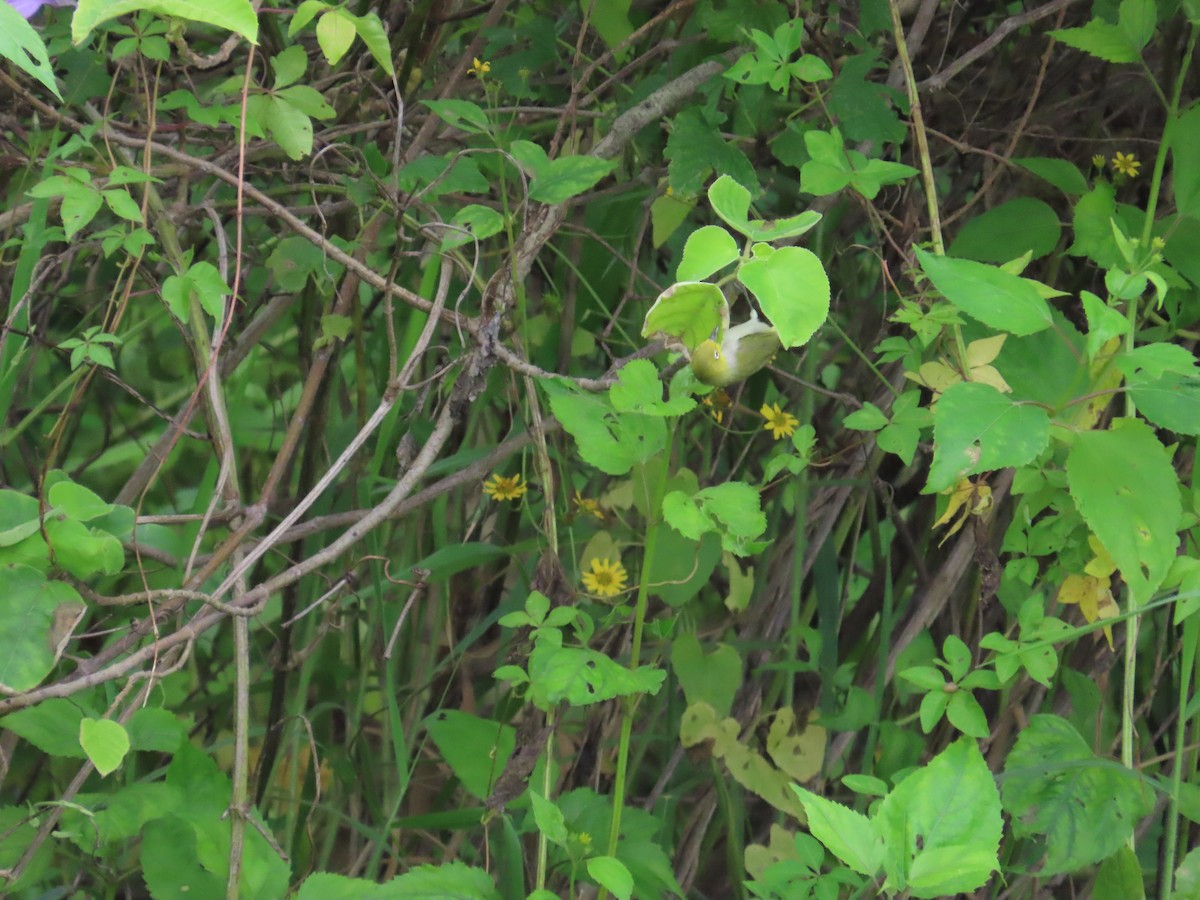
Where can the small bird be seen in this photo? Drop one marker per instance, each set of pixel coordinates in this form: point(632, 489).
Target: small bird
point(746, 349)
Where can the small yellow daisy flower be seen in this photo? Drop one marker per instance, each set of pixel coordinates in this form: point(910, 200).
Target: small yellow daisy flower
point(1126, 164)
point(479, 68)
point(588, 505)
point(501, 488)
point(606, 579)
point(1099, 161)
point(779, 423)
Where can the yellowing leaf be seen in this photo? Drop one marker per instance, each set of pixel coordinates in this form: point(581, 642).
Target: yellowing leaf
point(1094, 598)
point(966, 499)
point(984, 351)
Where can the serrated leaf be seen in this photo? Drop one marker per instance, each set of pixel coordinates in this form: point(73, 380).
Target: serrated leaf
point(848, 835)
point(978, 429)
point(1083, 807)
point(994, 297)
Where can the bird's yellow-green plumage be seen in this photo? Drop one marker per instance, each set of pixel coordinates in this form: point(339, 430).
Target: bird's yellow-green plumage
point(746, 349)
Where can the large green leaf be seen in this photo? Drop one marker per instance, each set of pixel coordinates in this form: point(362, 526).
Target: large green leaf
point(612, 442)
point(848, 835)
point(689, 311)
point(1008, 231)
point(233, 15)
point(37, 617)
point(977, 429)
point(1184, 137)
point(792, 288)
point(1054, 787)
point(1005, 302)
point(23, 46)
point(1126, 490)
point(941, 825)
point(475, 749)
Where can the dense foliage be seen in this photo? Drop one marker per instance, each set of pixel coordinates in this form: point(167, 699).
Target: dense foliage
point(365, 531)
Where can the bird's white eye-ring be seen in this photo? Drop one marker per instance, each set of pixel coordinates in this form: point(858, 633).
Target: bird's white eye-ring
point(716, 354)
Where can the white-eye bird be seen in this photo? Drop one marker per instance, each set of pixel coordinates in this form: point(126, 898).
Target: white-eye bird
point(746, 349)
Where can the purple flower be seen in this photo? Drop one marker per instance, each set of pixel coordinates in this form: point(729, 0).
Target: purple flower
point(29, 8)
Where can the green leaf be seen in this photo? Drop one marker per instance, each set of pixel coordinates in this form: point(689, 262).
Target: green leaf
point(1100, 39)
point(994, 297)
point(848, 835)
point(1084, 807)
point(1092, 221)
point(708, 250)
point(581, 677)
point(731, 510)
point(610, 873)
point(612, 442)
point(237, 16)
point(941, 825)
point(37, 617)
point(1104, 323)
point(23, 46)
point(79, 206)
point(170, 862)
point(1004, 232)
point(567, 177)
point(121, 203)
point(978, 429)
point(711, 678)
point(792, 288)
point(1125, 488)
point(335, 33)
point(461, 114)
point(105, 742)
point(549, 819)
point(864, 107)
point(473, 222)
point(1119, 878)
point(1184, 137)
point(1059, 172)
point(52, 726)
point(690, 311)
point(77, 501)
point(965, 714)
point(374, 35)
point(1136, 19)
point(290, 128)
point(695, 149)
point(638, 390)
point(305, 13)
point(289, 65)
point(476, 749)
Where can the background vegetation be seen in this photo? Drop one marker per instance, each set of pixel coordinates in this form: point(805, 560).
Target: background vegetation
point(361, 537)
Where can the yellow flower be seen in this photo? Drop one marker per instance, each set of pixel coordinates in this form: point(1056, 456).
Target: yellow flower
point(1099, 161)
point(779, 423)
point(606, 579)
point(1126, 164)
point(501, 488)
point(479, 68)
point(589, 506)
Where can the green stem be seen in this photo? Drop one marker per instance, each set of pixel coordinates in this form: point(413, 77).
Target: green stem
point(639, 624)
